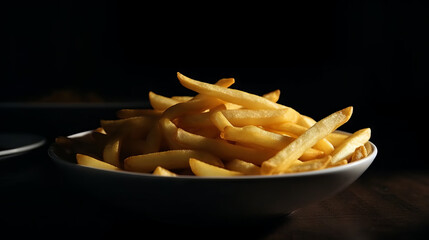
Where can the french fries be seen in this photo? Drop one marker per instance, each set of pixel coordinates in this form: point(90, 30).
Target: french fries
point(296, 130)
point(285, 157)
point(225, 150)
point(359, 153)
point(347, 148)
point(172, 159)
point(243, 167)
point(219, 132)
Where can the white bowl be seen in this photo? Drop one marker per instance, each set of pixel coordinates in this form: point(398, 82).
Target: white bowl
point(190, 199)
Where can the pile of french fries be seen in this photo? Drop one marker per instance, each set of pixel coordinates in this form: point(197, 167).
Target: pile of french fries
point(219, 132)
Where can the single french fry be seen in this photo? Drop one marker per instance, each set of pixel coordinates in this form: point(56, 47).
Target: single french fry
point(89, 161)
point(359, 153)
point(160, 171)
point(172, 159)
point(202, 169)
point(238, 97)
point(221, 148)
point(260, 117)
point(273, 96)
point(161, 103)
point(285, 157)
point(243, 167)
point(219, 120)
point(346, 149)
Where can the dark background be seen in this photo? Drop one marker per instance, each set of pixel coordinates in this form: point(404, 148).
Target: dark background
point(323, 56)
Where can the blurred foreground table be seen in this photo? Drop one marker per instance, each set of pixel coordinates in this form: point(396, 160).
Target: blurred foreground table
point(34, 202)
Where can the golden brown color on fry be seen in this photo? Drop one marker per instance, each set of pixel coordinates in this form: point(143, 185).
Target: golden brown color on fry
point(172, 159)
point(200, 168)
point(88, 161)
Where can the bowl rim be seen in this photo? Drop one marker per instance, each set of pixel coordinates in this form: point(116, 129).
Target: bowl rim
point(367, 160)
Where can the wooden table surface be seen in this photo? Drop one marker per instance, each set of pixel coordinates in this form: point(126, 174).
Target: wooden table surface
point(379, 205)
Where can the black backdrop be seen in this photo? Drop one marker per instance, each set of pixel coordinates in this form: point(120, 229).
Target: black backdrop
point(323, 56)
